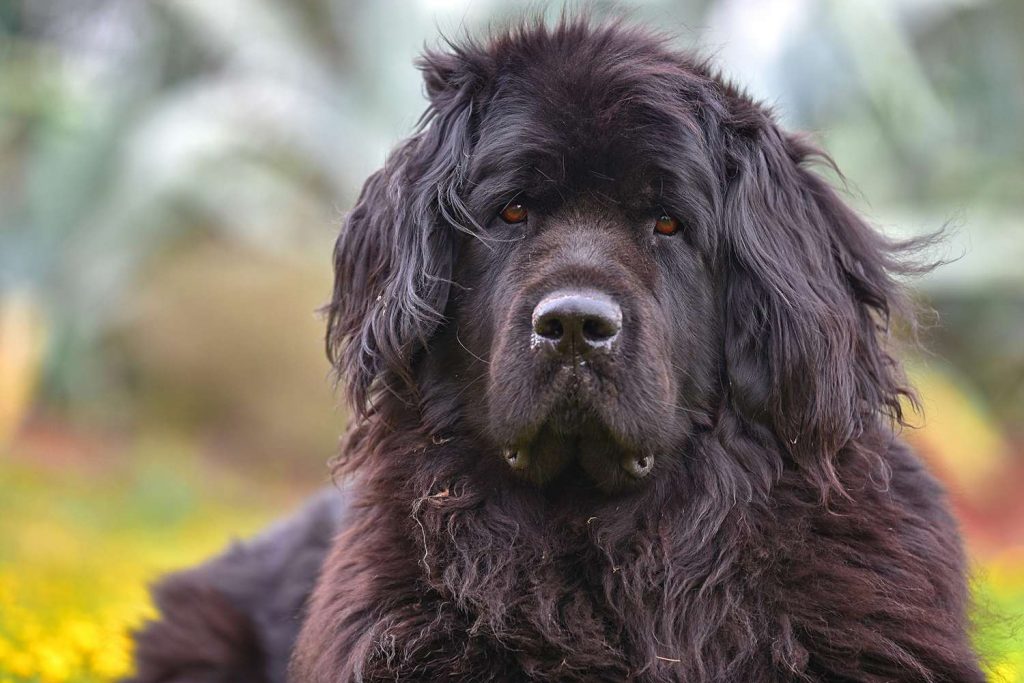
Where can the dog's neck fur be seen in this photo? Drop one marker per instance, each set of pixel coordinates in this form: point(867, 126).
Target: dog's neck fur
point(666, 577)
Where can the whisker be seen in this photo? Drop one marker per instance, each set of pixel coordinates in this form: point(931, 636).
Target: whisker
point(459, 339)
point(448, 281)
point(686, 372)
point(669, 404)
point(469, 384)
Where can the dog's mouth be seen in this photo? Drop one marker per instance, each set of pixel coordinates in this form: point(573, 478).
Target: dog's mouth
point(571, 436)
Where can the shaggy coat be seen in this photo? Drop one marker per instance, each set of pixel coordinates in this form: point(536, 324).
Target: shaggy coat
point(705, 486)
point(234, 619)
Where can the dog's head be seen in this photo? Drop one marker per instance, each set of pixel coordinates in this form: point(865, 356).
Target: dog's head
point(594, 250)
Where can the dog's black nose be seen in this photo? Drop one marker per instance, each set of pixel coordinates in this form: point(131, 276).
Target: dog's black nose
point(576, 322)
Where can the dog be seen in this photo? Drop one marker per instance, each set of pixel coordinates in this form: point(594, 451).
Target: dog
point(626, 406)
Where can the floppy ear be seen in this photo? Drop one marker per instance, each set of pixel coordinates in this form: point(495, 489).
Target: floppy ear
point(809, 292)
point(393, 258)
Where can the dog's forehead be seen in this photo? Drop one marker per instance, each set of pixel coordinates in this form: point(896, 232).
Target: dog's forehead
point(565, 137)
point(580, 121)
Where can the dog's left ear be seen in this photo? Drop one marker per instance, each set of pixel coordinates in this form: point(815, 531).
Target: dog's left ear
point(393, 259)
point(809, 292)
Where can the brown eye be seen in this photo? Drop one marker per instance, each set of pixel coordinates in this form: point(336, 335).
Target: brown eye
point(666, 225)
point(513, 212)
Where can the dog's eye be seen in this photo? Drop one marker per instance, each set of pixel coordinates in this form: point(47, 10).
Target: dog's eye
point(666, 225)
point(514, 212)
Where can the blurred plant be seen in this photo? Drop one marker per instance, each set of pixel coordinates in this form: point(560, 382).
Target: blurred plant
point(21, 345)
point(127, 124)
point(223, 340)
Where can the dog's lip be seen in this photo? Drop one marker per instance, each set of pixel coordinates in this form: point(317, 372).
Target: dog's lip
point(549, 450)
point(570, 419)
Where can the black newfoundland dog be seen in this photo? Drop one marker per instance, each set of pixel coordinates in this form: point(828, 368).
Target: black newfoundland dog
point(625, 408)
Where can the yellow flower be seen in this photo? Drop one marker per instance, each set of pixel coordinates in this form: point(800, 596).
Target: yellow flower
point(1008, 671)
point(82, 635)
point(56, 664)
point(112, 662)
point(20, 664)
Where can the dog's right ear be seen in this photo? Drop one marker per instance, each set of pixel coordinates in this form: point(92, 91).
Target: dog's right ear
point(393, 258)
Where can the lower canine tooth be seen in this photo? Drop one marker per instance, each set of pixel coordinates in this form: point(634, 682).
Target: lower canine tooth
point(638, 466)
point(514, 457)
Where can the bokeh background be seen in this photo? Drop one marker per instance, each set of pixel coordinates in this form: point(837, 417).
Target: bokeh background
point(172, 173)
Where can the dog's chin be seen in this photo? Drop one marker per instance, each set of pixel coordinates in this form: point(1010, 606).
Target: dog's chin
point(571, 445)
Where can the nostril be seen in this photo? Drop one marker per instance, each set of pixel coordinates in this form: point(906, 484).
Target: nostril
point(549, 328)
point(572, 322)
point(599, 329)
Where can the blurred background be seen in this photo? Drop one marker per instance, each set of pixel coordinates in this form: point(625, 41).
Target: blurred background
point(172, 173)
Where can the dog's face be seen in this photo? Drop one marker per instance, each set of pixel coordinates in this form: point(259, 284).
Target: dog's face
point(585, 290)
point(592, 251)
